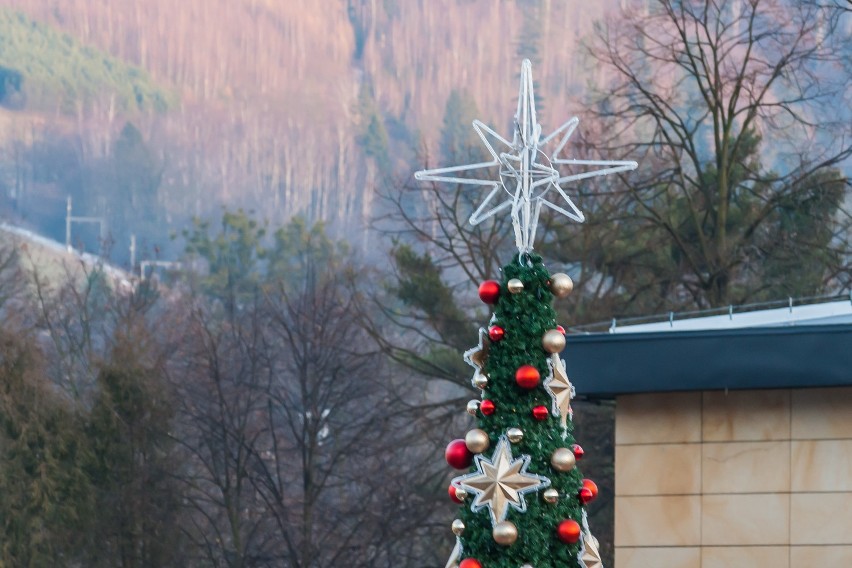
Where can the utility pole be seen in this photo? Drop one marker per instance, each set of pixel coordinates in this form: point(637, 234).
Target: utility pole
point(71, 219)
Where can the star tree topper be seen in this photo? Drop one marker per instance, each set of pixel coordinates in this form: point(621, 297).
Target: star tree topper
point(528, 178)
point(501, 482)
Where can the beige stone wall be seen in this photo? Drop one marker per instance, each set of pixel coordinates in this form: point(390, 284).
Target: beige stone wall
point(751, 479)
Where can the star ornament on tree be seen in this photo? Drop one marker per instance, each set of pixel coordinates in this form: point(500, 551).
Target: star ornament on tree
point(590, 555)
point(501, 482)
point(560, 389)
point(476, 356)
point(528, 179)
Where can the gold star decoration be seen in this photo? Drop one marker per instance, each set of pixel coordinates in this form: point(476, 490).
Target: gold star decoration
point(476, 356)
point(501, 482)
point(591, 555)
point(560, 389)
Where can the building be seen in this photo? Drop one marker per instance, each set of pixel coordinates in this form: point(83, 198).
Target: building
point(733, 436)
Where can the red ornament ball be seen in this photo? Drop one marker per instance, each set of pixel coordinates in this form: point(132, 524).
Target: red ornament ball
point(487, 407)
point(578, 451)
point(489, 291)
point(470, 563)
point(527, 377)
point(452, 492)
point(591, 486)
point(540, 412)
point(560, 329)
point(496, 333)
point(585, 495)
point(568, 531)
point(457, 454)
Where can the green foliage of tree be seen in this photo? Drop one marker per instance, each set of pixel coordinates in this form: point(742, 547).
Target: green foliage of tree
point(302, 255)
point(46, 500)
point(459, 142)
point(57, 68)
point(233, 255)
point(373, 136)
point(132, 467)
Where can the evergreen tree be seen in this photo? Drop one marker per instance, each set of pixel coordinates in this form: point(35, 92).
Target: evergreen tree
point(525, 496)
point(45, 498)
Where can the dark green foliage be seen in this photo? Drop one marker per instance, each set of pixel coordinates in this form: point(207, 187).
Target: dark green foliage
point(131, 468)
point(525, 317)
point(459, 141)
point(57, 68)
point(45, 498)
point(373, 136)
point(233, 255)
point(11, 81)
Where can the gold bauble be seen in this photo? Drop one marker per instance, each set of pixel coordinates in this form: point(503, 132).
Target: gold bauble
point(550, 495)
point(553, 341)
point(563, 460)
point(473, 407)
point(505, 533)
point(515, 286)
point(458, 527)
point(480, 382)
point(515, 435)
point(461, 493)
point(477, 441)
point(561, 284)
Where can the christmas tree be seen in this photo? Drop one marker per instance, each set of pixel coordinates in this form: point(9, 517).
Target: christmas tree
point(523, 501)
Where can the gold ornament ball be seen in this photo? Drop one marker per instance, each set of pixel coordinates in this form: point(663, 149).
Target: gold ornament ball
point(515, 435)
point(505, 533)
point(461, 493)
point(515, 286)
point(458, 527)
point(480, 382)
point(477, 441)
point(553, 341)
point(561, 284)
point(473, 407)
point(563, 460)
point(550, 495)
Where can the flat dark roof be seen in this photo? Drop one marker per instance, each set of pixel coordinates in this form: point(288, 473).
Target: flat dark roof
point(603, 365)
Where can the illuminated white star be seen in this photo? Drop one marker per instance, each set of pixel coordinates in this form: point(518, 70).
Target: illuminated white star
point(528, 178)
point(501, 482)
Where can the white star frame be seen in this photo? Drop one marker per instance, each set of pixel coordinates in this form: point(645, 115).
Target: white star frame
point(528, 178)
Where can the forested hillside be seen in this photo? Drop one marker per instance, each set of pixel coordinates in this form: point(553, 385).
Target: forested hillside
point(289, 107)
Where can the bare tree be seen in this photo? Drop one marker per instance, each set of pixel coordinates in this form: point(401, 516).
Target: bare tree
point(730, 108)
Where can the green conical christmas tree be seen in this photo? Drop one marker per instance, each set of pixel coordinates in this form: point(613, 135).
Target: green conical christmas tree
point(525, 495)
point(524, 491)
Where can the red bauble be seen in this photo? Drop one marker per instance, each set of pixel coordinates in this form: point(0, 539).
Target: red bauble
point(568, 531)
point(560, 329)
point(591, 486)
point(457, 454)
point(585, 495)
point(527, 377)
point(540, 412)
point(489, 291)
point(487, 407)
point(452, 491)
point(578, 451)
point(470, 563)
point(496, 333)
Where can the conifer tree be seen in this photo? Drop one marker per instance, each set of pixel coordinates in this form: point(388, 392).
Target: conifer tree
point(524, 497)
